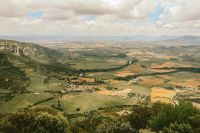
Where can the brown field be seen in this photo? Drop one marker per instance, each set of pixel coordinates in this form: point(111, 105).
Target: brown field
point(96, 73)
point(164, 56)
point(124, 73)
point(151, 81)
point(112, 81)
point(161, 95)
point(104, 92)
point(123, 93)
point(135, 68)
point(166, 77)
point(196, 105)
point(88, 79)
point(168, 64)
point(120, 62)
point(175, 83)
point(192, 83)
point(189, 83)
point(161, 70)
point(130, 70)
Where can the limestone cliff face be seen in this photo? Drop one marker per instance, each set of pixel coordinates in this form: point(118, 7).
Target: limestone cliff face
point(19, 49)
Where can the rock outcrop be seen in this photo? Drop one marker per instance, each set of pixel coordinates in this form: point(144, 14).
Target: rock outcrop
point(19, 49)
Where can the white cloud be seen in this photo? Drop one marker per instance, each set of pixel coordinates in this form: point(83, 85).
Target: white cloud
point(111, 17)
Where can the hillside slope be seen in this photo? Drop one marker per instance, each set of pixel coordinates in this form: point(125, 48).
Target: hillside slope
point(18, 58)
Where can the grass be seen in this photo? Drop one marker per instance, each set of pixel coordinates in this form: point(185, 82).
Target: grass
point(181, 76)
point(37, 86)
point(102, 75)
point(136, 88)
point(49, 103)
point(21, 101)
point(92, 102)
point(97, 62)
point(54, 85)
point(4, 91)
point(36, 82)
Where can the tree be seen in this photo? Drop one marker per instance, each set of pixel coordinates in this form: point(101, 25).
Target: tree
point(22, 120)
point(178, 128)
point(93, 120)
point(7, 127)
point(48, 123)
point(38, 120)
point(113, 126)
point(195, 122)
point(140, 116)
point(171, 114)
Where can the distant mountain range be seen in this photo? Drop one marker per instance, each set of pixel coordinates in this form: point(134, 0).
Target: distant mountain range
point(37, 38)
point(192, 39)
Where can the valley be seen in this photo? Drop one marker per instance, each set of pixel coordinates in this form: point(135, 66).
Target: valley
point(78, 78)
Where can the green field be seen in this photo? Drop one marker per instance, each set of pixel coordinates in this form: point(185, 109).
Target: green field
point(21, 101)
point(4, 91)
point(37, 86)
point(36, 82)
point(93, 101)
point(102, 75)
point(97, 62)
point(136, 88)
point(182, 76)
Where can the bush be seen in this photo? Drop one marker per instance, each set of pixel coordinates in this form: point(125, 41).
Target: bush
point(170, 114)
point(139, 117)
point(195, 122)
point(48, 123)
point(178, 128)
point(41, 120)
point(113, 126)
point(108, 87)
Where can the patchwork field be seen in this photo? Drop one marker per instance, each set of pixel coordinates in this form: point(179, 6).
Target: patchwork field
point(162, 95)
point(97, 62)
point(38, 86)
point(93, 83)
point(92, 102)
point(21, 101)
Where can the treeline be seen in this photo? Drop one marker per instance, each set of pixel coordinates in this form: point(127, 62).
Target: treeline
point(182, 118)
point(120, 55)
point(129, 77)
point(186, 69)
point(176, 69)
point(36, 120)
point(165, 118)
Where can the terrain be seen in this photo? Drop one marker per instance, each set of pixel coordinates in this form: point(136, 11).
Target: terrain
point(79, 78)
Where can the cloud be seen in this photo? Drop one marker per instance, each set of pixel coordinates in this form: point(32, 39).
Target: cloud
point(12, 8)
point(118, 8)
point(181, 10)
point(99, 17)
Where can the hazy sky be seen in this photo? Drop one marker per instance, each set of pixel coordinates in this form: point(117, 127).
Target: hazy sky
point(99, 17)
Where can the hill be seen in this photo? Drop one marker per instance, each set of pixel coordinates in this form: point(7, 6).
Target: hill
point(18, 58)
point(187, 39)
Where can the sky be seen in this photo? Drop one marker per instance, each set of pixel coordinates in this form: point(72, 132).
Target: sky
point(99, 17)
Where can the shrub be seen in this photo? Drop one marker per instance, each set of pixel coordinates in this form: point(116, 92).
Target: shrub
point(39, 120)
point(140, 116)
point(48, 123)
point(170, 114)
point(178, 128)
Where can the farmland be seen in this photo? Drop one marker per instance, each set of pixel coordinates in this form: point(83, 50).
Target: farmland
point(98, 77)
point(105, 78)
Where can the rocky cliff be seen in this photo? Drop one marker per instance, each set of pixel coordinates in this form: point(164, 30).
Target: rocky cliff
point(19, 48)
